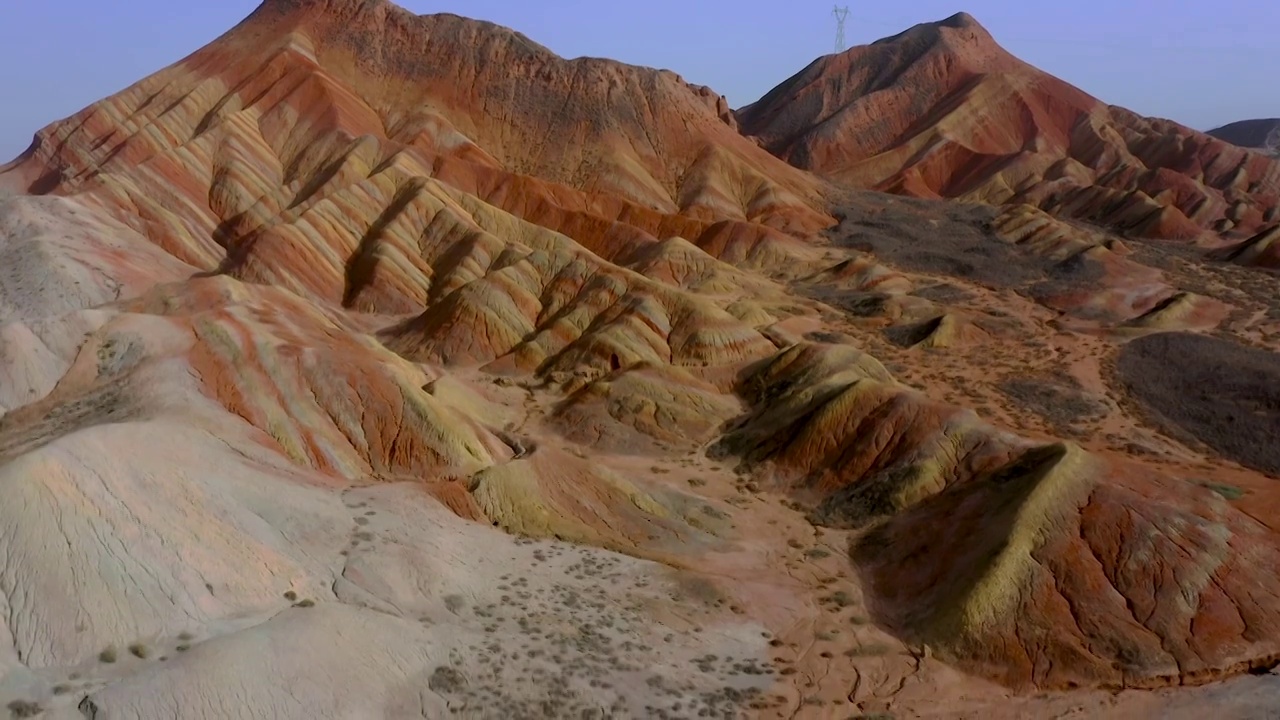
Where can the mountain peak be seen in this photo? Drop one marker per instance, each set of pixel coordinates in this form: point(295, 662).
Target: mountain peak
point(992, 123)
point(451, 85)
point(289, 5)
point(961, 21)
point(960, 29)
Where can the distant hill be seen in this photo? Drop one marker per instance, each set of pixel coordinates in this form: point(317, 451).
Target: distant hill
point(943, 111)
point(1247, 133)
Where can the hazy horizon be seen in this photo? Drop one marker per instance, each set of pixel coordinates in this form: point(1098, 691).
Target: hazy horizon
point(1203, 66)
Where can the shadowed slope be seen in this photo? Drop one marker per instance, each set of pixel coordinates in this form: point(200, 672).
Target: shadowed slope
point(1038, 564)
point(1247, 133)
point(1259, 250)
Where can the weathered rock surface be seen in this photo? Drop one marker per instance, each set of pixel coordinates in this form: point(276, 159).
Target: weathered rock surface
point(369, 364)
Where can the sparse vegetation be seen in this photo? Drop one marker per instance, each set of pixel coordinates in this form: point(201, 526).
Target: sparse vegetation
point(24, 709)
point(139, 650)
point(454, 603)
point(868, 650)
point(1230, 492)
point(445, 679)
point(840, 599)
point(108, 654)
point(1219, 393)
point(696, 587)
point(1061, 405)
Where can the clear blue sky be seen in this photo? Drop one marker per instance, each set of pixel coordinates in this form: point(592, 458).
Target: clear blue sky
point(1202, 63)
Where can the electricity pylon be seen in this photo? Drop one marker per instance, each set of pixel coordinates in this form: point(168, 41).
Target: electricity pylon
point(842, 14)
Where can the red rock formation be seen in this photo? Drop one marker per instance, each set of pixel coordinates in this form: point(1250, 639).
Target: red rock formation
point(357, 154)
point(1040, 565)
point(326, 397)
point(1100, 575)
point(310, 77)
point(942, 110)
point(474, 200)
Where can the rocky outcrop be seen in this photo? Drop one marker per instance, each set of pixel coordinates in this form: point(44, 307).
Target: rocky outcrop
point(1258, 250)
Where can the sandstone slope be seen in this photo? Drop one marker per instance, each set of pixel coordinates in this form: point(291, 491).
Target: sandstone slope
point(369, 364)
point(942, 110)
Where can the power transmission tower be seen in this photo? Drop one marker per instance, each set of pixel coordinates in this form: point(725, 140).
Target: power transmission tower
point(842, 14)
